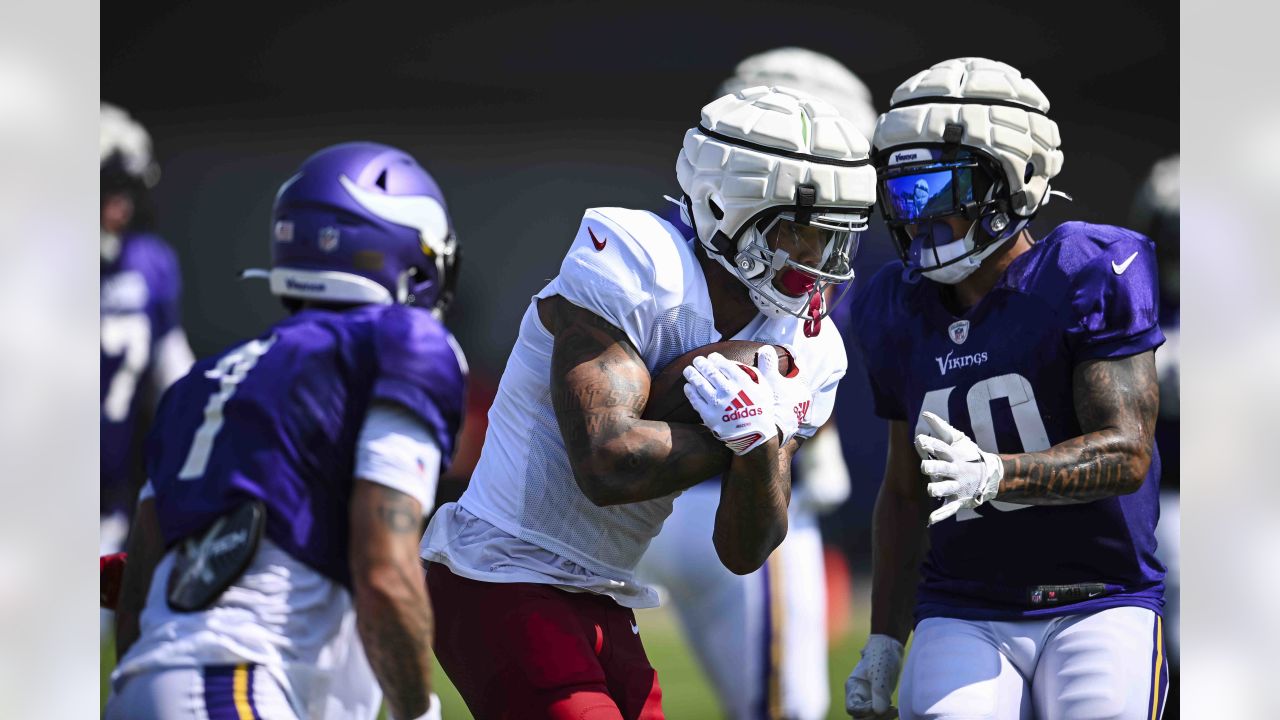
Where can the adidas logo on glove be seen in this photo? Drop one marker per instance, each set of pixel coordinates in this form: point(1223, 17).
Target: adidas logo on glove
point(741, 407)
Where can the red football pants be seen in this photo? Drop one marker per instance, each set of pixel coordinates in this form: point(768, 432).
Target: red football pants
point(522, 650)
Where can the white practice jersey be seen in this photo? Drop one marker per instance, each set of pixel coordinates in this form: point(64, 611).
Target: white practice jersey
point(523, 517)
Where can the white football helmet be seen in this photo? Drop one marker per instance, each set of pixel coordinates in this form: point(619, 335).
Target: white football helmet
point(810, 72)
point(976, 132)
point(124, 142)
point(765, 155)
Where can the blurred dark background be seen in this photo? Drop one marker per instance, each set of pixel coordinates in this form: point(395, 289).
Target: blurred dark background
point(527, 115)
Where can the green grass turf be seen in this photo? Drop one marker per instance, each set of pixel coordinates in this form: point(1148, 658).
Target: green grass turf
point(686, 692)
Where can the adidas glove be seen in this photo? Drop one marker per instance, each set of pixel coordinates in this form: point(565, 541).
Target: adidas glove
point(733, 402)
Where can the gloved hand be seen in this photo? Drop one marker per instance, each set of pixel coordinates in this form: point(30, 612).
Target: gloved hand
point(961, 473)
point(791, 395)
point(734, 402)
point(869, 689)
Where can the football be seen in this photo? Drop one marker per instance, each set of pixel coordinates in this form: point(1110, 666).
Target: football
point(666, 391)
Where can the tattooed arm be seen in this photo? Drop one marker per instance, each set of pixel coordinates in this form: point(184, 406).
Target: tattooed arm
point(751, 520)
point(1116, 401)
point(393, 615)
point(599, 387)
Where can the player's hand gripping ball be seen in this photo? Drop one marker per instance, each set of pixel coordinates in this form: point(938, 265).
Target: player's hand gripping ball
point(733, 402)
point(667, 401)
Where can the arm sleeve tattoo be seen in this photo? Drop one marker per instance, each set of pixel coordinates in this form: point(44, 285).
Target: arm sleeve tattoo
point(1116, 401)
point(599, 388)
point(393, 614)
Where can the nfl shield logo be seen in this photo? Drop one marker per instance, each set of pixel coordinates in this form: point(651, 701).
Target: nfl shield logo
point(328, 239)
point(1037, 596)
point(959, 331)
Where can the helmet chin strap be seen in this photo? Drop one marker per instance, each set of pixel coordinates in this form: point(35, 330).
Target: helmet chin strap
point(813, 325)
point(953, 272)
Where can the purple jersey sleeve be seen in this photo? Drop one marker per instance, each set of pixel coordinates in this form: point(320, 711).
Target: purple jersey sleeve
point(421, 368)
point(1115, 300)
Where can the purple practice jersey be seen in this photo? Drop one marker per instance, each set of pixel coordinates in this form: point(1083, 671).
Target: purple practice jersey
point(1002, 373)
point(278, 419)
point(140, 290)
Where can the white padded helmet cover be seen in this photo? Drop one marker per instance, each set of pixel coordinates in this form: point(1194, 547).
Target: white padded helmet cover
point(743, 181)
point(1011, 135)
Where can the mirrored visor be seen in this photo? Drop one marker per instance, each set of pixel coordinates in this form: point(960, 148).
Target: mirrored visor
point(926, 193)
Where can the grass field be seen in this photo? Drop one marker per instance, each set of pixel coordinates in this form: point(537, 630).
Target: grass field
point(685, 690)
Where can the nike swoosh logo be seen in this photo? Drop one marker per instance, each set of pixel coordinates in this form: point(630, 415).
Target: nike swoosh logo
point(635, 629)
point(598, 243)
point(1124, 265)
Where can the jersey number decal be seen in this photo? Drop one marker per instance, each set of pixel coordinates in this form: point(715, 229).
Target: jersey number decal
point(127, 335)
point(1026, 417)
point(230, 370)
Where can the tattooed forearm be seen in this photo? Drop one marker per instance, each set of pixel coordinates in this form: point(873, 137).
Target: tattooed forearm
point(393, 615)
point(395, 626)
point(751, 520)
point(599, 388)
point(1116, 402)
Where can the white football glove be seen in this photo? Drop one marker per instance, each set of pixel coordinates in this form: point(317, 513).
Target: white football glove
point(869, 690)
point(791, 395)
point(735, 406)
point(961, 473)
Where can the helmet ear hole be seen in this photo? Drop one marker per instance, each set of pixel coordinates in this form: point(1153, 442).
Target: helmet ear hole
point(382, 180)
point(715, 209)
point(1031, 170)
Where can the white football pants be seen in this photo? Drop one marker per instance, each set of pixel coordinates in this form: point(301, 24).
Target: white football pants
point(761, 638)
point(1101, 666)
point(227, 692)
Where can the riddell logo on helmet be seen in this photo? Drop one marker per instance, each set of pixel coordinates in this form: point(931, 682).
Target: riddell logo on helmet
point(740, 408)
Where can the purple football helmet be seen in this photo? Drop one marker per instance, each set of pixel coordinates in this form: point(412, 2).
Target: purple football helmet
point(362, 223)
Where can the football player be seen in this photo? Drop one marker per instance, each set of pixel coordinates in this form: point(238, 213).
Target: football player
point(1021, 493)
point(762, 638)
point(532, 571)
point(288, 477)
point(144, 348)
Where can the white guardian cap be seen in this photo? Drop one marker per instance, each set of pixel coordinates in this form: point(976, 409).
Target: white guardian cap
point(978, 132)
point(772, 174)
